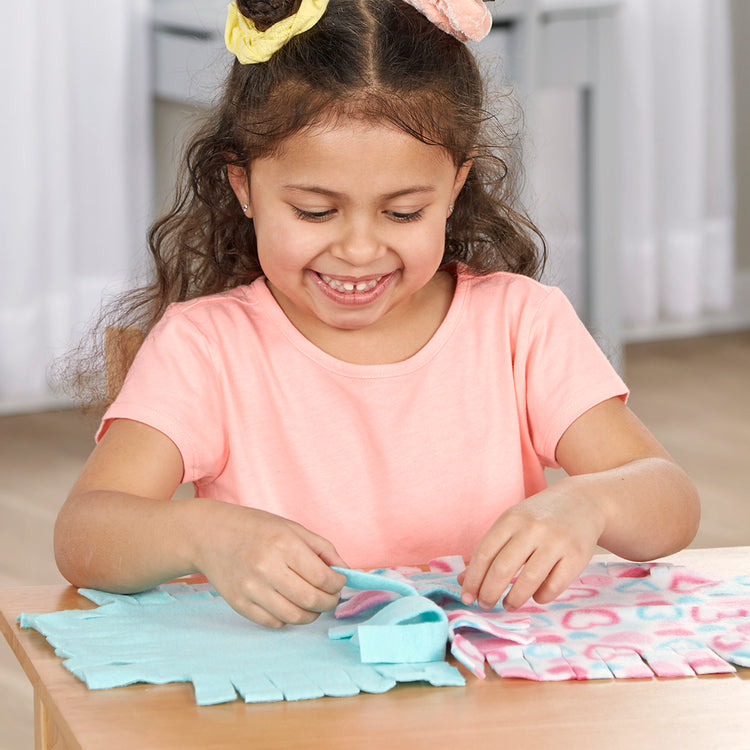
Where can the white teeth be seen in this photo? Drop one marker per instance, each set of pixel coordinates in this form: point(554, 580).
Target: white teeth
point(349, 286)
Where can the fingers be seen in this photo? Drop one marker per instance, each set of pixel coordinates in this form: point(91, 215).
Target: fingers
point(271, 570)
point(294, 592)
point(282, 597)
point(519, 568)
point(318, 571)
point(483, 561)
point(312, 586)
point(540, 575)
point(514, 560)
point(543, 543)
point(537, 577)
point(257, 614)
point(269, 607)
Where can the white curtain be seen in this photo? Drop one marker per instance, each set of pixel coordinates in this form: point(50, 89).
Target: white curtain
point(555, 159)
point(76, 175)
point(677, 166)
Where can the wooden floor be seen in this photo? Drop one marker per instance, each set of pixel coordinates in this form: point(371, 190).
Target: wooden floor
point(692, 394)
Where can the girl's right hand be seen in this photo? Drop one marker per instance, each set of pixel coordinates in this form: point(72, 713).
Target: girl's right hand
point(269, 569)
point(119, 531)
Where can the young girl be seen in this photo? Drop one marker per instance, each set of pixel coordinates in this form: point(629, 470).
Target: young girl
point(347, 354)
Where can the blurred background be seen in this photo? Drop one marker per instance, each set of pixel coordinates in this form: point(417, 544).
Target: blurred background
point(637, 117)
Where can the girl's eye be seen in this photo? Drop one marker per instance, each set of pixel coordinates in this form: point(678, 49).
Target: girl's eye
point(313, 215)
point(403, 218)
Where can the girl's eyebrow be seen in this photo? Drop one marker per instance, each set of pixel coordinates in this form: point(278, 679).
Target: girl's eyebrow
point(333, 194)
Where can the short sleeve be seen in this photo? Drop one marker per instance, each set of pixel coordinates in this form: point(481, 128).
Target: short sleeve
point(566, 373)
point(172, 386)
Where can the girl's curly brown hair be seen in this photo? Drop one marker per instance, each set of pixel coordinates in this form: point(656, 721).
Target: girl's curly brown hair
point(375, 60)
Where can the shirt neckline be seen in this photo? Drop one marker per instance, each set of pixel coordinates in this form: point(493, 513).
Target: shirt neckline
point(268, 305)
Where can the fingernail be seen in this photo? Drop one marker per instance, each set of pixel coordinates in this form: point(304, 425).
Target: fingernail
point(467, 598)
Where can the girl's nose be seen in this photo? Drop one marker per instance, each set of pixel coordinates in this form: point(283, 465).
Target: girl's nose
point(359, 244)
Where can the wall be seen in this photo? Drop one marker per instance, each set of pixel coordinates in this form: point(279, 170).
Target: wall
point(741, 50)
point(173, 123)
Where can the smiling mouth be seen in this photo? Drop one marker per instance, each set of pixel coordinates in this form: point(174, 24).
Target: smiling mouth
point(350, 287)
point(352, 292)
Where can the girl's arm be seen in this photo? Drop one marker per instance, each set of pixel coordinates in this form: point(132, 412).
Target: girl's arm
point(623, 492)
point(119, 531)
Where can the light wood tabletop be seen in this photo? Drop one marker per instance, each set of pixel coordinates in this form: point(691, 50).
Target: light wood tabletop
point(694, 712)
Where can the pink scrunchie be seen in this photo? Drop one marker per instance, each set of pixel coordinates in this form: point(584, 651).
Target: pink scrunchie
point(464, 19)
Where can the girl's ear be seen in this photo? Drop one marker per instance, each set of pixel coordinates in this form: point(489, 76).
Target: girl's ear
point(461, 175)
point(239, 182)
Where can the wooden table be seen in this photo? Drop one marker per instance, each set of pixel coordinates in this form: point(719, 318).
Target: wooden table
point(695, 712)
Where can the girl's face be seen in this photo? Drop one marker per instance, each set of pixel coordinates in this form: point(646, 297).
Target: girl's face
point(350, 224)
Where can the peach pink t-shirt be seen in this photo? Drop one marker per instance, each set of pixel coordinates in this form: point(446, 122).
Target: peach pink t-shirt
point(396, 463)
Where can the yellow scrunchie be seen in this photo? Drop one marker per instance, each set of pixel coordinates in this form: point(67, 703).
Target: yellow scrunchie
point(252, 46)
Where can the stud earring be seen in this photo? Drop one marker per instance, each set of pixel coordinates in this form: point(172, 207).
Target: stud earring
point(244, 208)
point(450, 209)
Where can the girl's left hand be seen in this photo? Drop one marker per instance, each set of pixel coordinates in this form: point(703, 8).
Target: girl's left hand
point(549, 537)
